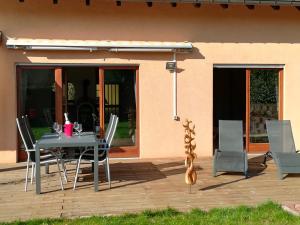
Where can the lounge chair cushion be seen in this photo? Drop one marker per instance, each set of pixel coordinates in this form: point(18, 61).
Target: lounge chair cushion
point(288, 162)
point(230, 161)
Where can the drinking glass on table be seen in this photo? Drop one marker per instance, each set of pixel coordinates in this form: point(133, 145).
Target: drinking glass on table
point(79, 129)
point(59, 130)
point(76, 126)
point(55, 126)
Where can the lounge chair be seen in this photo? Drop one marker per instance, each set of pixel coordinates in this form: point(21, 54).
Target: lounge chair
point(282, 147)
point(231, 156)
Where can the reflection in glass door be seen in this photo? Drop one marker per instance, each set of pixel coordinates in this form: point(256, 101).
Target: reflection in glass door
point(120, 99)
point(37, 98)
point(264, 102)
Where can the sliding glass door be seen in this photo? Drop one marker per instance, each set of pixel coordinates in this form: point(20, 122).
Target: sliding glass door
point(88, 94)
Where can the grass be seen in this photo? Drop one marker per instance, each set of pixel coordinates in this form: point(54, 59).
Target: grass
point(122, 130)
point(267, 213)
point(38, 132)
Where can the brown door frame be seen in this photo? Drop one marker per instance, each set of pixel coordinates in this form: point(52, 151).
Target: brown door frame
point(122, 151)
point(58, 75)
point(261, 147)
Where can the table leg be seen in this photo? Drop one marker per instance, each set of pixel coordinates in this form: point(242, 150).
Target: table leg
point(47, 168)
point(96, 175)
point(37, 170)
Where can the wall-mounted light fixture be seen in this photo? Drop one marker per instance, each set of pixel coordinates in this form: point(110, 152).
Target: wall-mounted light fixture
point(171, 66)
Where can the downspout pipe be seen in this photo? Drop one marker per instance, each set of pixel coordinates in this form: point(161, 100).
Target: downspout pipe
point(175, 116)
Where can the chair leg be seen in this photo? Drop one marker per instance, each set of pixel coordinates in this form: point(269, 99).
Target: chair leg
point(105, 170)
point(108, 172)
point(32, 172)
point(76, 166)
point(47, 168)
point(64, 170)
point(280, 174)
point(26, 175)
point(59, 171)
point(77, 171)
point(246, 166)
point(265, 159)
point(214, 170)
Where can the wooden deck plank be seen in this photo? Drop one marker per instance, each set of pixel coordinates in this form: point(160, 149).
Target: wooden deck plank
point(138, 185)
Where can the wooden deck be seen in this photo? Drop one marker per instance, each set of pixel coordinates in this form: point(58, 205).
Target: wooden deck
point(138, 185)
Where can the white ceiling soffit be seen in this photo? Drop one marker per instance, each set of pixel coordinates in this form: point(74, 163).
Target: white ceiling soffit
point(89, 45)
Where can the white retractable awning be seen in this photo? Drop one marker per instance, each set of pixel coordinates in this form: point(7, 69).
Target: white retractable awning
point(93, 45)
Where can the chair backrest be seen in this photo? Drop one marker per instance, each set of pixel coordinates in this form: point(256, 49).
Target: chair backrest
point(109, 126)
point(280, 136)
point(25, 138)
point(113, 130)
point(28, 129)
point(231, 135)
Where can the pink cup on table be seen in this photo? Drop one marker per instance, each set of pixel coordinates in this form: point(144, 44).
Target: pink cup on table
point(68, 129)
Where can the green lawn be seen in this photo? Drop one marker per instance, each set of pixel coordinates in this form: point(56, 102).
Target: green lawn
point(123, 130)
point(268, 213)
point(38, 132)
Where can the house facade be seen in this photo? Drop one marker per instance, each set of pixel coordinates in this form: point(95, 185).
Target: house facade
point(152, 63)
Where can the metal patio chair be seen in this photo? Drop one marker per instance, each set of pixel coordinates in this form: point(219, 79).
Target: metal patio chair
point(44, 153)
point(30, 150)
point(103, 150)
point(282, 147)
point(230, 156)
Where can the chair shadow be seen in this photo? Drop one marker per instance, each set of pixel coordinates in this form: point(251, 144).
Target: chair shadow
point(220, 185)
point(13, 168)
point(230, 182)
point(128, 174)
point(255, 168)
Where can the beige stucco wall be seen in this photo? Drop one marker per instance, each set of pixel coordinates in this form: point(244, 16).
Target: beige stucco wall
point(235, 35)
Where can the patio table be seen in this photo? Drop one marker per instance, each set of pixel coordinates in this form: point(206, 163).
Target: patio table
point(53, 141)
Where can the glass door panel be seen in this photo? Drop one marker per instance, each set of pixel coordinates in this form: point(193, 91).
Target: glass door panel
point(36, 98)
point(120, 99)
point(264, 104)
